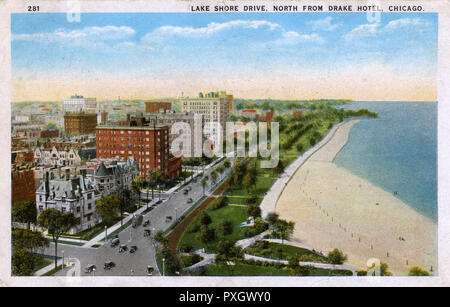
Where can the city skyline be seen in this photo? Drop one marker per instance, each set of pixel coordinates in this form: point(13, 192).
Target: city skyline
point(278, 56)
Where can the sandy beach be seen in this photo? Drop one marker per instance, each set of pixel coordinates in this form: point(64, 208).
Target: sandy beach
point(333, 208)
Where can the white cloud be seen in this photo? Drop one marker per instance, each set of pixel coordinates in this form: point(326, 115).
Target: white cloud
point(294, 38)
point(163, 32)
point(406, 22)
point(365, 30)
point(325, 24)
point(89, 33)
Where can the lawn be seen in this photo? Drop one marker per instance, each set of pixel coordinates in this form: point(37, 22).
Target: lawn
point(242, 269)
point(234, 214)
point(42, 263)
point(283, 251)
point(242, 200)
point(262, 186)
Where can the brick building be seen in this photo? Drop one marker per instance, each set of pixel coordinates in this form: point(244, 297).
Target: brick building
point(148, 144)
point(23, 184)
point(156, 106)
point(80, 123)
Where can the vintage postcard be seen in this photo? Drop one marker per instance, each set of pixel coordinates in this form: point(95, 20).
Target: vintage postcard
point(225, 143)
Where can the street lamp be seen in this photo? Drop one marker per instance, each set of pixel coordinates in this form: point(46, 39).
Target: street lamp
point(93, 272)
point(62, 259)
point(106, 234)
point(176, 214)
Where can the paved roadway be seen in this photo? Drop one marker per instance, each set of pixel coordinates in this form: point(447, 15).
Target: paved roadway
point(125, 262)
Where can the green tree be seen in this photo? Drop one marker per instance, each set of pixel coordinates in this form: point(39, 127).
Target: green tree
point(284, 229)
point(336, 256)
point(28, 239)
point(159, 237)
point(254, 211)
point(136, 185)
point(272, 218)
point(228, 252)
point(25, 212)
point(227, 163)
point(204, 183)
point(296, 269)
point(205, 219)
point(214, 177)
point(108, 206)
point(416, 271)
point(206, 234)
point(56, 223)
point(226, 228)
point(23, 262)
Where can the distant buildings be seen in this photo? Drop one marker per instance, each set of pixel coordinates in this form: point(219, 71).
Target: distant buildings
point(80, 123)
point(76, 195)
point(22, 183)
point(135, 137)
point(154, 107)
point(77, 103)
point(56, 157)
point(214, 107)
point(194, 121)
point(80, 141)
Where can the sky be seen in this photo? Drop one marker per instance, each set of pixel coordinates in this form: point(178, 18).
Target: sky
point(251, 55)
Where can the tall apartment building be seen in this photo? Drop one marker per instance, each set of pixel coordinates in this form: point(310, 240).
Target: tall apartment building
point(157, 106)
point(195, 121)
point(77, 103)
point(79, 123)
point(214, 107)
point(148, 144)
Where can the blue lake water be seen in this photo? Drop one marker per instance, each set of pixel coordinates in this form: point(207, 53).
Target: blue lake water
point(397, 151)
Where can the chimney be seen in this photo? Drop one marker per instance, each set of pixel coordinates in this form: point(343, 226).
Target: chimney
point(67, 173)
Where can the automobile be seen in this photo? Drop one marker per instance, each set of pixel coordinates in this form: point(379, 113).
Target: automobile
point(168, 219)
point(115, 242)
point(133, 248)
point(90, 268)
point(150, 270)
point(137, 220)
point(189, 188)
point(109, 265)
point(147, 233)
point(185, 192)
point(123, 248)
point(146, 223)
point(189, 200)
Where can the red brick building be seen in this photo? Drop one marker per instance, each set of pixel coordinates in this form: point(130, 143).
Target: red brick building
point(148, 144)
point(23, 185)
point(79, 123)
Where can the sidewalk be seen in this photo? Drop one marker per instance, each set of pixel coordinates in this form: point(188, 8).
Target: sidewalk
point(49, 267)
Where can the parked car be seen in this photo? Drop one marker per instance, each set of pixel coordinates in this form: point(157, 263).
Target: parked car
point(168, 219)
point(133, 248)
point(115, 242)
point(185, 192)
point(147, 233)
point(146, 223)
point(189, 200)
point(123, 248)
point(109, 265)
point(150, 270)
point(90, 268)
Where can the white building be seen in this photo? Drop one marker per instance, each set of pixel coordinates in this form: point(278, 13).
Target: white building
point(75, 195)
point(213, 106)
point(78, 103)
point(56, 157)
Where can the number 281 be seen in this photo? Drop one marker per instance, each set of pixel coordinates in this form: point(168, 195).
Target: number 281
point(33, 8)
